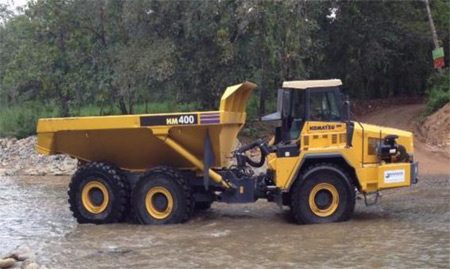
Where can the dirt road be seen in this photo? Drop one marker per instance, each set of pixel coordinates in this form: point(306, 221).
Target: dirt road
point(406, 117)
point(408, 228)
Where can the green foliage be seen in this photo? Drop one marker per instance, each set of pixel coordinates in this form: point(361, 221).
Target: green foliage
point(380, 48)
point(103, 57)
point(438, 91)
point(151, 107)
point(20, 121)
point(250, 131)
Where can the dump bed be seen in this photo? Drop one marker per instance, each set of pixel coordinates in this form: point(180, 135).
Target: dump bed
point(137, 142)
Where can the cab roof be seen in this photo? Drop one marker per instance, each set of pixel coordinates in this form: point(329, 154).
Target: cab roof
point(308, 84)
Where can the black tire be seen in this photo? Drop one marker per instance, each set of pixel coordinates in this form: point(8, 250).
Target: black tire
point(169, 197)
point(202, 205)
point(324, 195)
point(99, 180)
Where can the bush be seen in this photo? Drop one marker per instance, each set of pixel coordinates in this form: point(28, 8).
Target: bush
point(438, 91)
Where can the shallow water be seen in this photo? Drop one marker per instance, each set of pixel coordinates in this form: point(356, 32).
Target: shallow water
point(409, 228)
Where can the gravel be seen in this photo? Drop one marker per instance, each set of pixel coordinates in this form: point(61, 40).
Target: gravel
point(18, 157)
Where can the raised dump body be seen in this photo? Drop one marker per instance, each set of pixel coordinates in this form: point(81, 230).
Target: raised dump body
point(137, 142)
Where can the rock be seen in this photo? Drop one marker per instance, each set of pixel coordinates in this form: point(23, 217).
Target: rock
point(10, 143)
point(7, 263)
point(17, 265)
point(23, 253)
point(30, 265)
point(10, 172)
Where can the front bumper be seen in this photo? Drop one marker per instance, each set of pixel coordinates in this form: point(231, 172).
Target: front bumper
point(414, 172)
point(377, 177)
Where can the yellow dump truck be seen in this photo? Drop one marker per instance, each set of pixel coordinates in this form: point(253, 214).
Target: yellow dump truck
point(160, 168)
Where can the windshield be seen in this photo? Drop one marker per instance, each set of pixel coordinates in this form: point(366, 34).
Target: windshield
point(324, 106)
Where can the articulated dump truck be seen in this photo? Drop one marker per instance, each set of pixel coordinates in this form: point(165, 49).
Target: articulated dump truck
point(160, 168)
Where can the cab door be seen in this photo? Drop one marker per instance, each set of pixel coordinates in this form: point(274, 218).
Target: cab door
point(287, 137)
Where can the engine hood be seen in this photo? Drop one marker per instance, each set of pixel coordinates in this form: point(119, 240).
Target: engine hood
point(405, 138)
point(370, 128)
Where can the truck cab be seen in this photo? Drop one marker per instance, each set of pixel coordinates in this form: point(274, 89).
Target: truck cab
point(302, 101)
point(317, 139)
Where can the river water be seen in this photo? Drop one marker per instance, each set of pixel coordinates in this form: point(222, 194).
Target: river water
point(409, 228)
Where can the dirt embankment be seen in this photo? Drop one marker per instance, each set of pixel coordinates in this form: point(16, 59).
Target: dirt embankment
point(435, 130)
point(431, 159)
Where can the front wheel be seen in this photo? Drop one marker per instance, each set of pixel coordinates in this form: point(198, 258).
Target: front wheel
point(324, 195)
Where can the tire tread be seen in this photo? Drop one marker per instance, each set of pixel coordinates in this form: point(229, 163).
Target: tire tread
point(180, 181)
point(297, 187)
point(122, 200)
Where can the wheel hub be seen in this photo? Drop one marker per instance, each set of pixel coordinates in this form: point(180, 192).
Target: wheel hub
point(323, 199)
point(159, 202)
point(95, 197)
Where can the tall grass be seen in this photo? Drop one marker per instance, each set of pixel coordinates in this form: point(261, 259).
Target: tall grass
point(21, 121)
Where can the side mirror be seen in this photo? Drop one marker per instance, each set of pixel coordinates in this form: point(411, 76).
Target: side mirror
point(348, 123)
point(286, 103)
point(347, 110)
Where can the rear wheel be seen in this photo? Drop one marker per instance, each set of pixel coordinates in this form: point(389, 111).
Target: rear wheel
point(162, 196)
point(98, 194)
point(324, 195)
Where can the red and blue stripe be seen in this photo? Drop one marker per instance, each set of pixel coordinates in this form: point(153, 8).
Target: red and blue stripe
point(210, 118)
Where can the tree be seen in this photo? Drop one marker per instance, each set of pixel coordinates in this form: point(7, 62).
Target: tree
point(118, 54)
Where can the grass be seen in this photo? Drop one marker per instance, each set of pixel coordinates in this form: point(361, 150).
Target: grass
point(154, 107)
point(21, 120)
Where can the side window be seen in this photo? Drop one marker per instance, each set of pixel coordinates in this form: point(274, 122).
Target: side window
point(324, 106)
